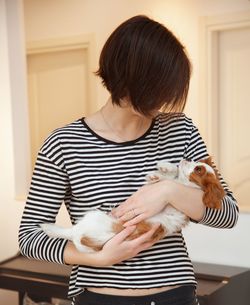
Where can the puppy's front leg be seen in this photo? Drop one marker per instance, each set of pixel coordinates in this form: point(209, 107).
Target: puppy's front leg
point(167, 169)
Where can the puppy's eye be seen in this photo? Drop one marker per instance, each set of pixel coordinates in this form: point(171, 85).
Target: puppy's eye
point(198, 169)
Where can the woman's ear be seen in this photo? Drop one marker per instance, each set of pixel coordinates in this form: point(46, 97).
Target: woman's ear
point(213, 191)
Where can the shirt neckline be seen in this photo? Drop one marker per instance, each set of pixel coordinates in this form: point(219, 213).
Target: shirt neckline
point(118, 143)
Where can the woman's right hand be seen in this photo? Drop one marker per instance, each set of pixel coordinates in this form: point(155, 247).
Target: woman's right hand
point(118, 249)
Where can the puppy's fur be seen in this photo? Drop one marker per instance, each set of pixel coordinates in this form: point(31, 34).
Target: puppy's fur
point(96, 227)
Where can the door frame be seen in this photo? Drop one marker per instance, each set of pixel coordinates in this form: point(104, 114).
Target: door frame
point(85, 42)
point(210, 27)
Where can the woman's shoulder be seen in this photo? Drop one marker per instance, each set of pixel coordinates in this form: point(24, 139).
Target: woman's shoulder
point(63, 133)
point(175, 119)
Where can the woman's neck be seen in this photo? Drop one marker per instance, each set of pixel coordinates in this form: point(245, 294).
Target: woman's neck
point(119, 123)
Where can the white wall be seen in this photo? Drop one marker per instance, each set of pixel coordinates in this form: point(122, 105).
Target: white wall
point(10, 209)
point(13, 124)
point(46, 19)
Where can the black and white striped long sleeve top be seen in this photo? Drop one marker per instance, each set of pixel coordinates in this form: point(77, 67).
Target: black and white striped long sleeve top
point(85, 171)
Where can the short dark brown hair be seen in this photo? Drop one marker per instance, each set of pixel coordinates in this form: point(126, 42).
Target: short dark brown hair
point(143, 61)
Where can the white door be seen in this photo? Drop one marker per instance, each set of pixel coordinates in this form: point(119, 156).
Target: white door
point(234, 111)
point(58, 92)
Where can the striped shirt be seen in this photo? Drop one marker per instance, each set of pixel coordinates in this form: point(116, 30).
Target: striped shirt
point(85, 171)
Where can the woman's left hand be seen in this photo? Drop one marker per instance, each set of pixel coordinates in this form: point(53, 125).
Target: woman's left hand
point(149, 200)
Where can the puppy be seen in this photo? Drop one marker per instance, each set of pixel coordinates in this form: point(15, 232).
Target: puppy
point(91, 232)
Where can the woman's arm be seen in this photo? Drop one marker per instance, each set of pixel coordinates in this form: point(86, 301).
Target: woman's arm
point(151, 199)
point(114, 251)
point(49, 185)
point(227, 216)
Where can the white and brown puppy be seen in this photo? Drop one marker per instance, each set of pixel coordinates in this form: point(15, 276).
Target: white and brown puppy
point(96, 227)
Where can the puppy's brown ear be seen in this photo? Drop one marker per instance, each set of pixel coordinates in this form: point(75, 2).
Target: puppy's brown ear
point(209, 162)
point(213, 192)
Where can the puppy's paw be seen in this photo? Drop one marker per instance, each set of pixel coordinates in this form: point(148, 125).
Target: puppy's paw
point(153, 177)
point(167, 168)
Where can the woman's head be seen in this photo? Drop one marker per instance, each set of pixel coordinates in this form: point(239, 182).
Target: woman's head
point(142, 61)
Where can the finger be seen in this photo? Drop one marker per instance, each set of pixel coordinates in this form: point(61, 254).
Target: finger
point(128, 215)
point(146, 236)
point(146, 245)
point(124, 234)
point(119, 211)
point(124, 207)
point(135, 220)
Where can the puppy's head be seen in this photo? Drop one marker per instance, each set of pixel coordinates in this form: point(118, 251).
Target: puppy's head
point(203, 175)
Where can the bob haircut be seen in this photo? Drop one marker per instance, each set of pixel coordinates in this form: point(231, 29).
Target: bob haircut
point(145, 63)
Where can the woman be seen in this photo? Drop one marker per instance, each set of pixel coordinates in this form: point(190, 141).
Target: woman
point(101, 161)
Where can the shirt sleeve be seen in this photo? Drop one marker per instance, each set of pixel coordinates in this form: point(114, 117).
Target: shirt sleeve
point(227, 216)
point(49, 186)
